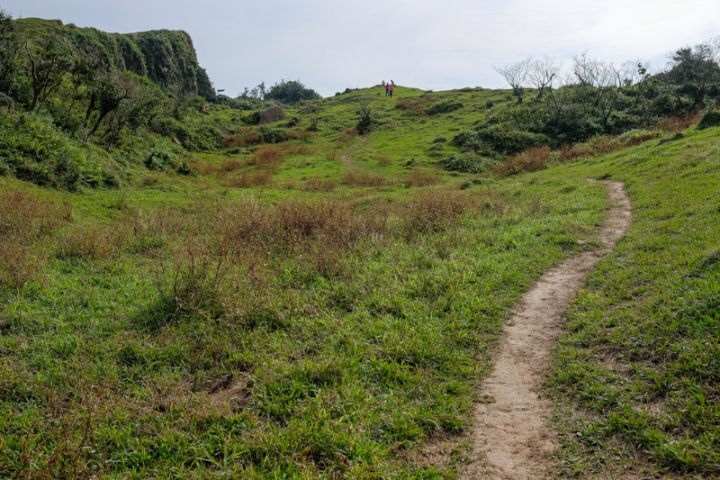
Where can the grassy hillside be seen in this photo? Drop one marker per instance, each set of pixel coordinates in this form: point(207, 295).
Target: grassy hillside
point(300, 301)
point(637, 376)
point(289, 312)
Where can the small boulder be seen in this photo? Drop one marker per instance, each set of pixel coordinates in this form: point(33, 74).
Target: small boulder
point(274, 114)
point(6, 103)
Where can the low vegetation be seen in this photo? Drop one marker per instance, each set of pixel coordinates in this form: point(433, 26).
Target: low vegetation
point(186, 292)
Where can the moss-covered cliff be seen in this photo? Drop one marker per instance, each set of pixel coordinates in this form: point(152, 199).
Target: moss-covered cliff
point(167, 57)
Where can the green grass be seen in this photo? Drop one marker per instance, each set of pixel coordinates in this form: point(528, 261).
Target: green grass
point(130, 355)
point(636, 375)
point(300, 316)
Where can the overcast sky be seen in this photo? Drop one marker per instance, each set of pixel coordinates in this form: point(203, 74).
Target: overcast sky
point(432, 44)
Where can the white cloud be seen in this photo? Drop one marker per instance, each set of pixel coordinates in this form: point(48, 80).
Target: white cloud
point(330, 45)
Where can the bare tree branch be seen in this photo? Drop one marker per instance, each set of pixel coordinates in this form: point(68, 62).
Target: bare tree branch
point(515, 74)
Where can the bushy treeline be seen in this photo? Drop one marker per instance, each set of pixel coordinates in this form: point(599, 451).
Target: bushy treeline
point(596, 98)
point(287, 92)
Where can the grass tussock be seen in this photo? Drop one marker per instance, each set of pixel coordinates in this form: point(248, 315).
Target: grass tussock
point(298, 149)
point(268, 157)
point(354, 178)
point(419, 178)
point(348, 135)
point(231, 165)
point(200, 167)
point(247, 138)
point(435, 211)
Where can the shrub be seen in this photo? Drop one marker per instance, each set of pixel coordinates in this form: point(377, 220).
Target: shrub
point(509, 141)
point(270, 135)
point(158, 160)
point(291, 92)
point(710, 119)
point(469, 163)
point(444, 106)
point(193, 136)
point(528, 161)
point(416, 105)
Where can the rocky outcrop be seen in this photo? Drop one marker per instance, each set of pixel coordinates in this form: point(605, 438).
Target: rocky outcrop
point(7, 104)
point(274, 114)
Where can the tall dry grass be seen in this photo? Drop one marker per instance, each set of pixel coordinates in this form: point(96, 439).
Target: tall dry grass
point(420, 178)
point(354, 178)
point(528, 161)
point(268, 157)
point(27, 222)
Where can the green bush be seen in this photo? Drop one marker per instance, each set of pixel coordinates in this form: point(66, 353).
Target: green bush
point(510, 142)
point(194, 136)
point(444, 106)
point(159, 159)
point(291, 92)
point(33, 149)
point(469, 163)
point(710, 119)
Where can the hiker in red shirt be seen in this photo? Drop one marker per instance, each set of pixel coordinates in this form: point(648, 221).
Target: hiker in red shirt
point(390, 89)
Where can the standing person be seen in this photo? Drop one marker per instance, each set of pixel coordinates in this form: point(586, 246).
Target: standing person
point(390, 91)
point(383, 83)
point(392, 83)
point(387, 89)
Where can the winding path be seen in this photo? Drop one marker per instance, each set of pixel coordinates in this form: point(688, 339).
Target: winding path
point(512, 440)
point(345, 157)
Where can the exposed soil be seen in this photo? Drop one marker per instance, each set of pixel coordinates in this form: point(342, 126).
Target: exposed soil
point(345, 157)
point(512, 440)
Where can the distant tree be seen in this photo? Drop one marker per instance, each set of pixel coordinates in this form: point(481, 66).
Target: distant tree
point(695, 74)
point(291, 92)
point(365, 116)
point(515, 75)
point(543, 73)
point(600, 86)
point(46, 64)
point(9, 46)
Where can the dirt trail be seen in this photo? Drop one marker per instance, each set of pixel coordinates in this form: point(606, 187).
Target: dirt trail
point(345, 155)
point(512, 440)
